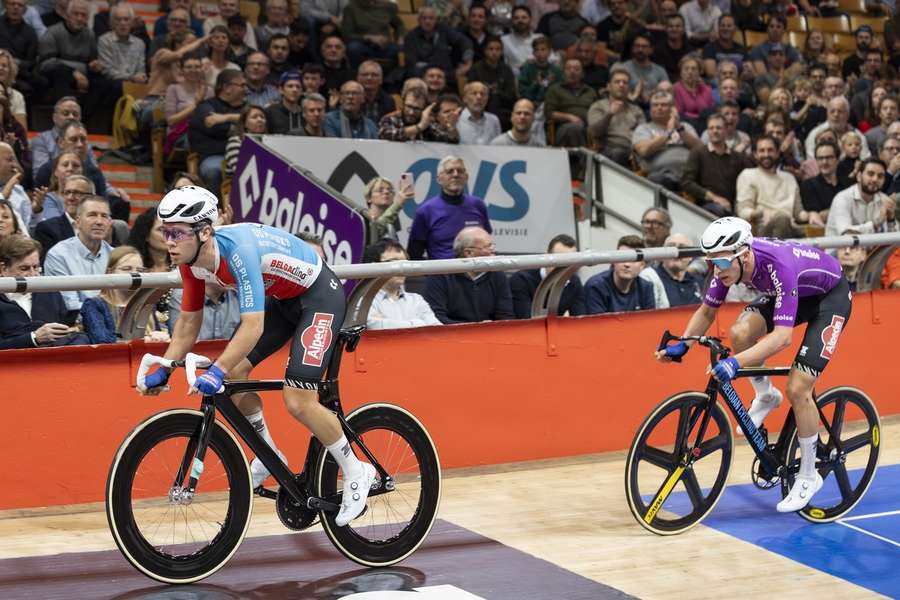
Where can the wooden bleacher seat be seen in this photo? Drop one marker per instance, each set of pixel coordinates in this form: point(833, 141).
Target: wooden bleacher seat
point(843, 43)
point(876, 23)
point(852, 7)
point(797, 39)
point(796, 23)
point(754, 38)
point(135, 90)
point(250, 11)
point(839, 24)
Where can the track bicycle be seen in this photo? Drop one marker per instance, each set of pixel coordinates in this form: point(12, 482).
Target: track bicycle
point(179, 493)
point(686, 444)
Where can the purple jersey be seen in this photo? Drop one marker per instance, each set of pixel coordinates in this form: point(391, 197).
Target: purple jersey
point(437, 222)
point(787, 271)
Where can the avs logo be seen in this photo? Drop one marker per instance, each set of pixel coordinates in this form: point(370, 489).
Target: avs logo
point(355, 165)
point(830, 336)
point(316, 339)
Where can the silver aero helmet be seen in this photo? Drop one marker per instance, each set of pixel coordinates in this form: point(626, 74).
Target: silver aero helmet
point(726, 234)
point(190, 204)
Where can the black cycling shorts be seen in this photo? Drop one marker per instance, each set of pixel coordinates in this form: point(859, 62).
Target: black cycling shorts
point(827, 316)
point(313, 319)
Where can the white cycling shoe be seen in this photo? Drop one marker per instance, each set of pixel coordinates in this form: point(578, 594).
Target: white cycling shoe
point(259, 472)
point(356, 491)
point(761, 406)
point(801, 493)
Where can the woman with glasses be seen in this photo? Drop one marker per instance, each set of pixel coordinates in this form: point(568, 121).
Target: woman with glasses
point(384, 206)
point(48, 202)
point(102, 314)
point(799, 284)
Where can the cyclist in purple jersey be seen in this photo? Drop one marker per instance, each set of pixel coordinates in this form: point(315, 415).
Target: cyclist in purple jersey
point(799, 285)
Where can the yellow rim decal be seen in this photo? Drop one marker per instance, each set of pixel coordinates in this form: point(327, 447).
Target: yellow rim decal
point(663, 494)
point(875, 436)
point(817, 513)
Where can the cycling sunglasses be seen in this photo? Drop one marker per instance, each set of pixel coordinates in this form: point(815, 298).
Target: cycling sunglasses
point(175, 234)
point(724, 262)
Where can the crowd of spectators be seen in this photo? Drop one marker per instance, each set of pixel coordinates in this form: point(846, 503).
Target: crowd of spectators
point(797, 140)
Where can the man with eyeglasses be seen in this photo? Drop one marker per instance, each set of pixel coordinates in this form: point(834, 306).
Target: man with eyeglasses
point(799, 284)
point(470, 297)
point(50, 232)
point(890, 156)
point(416, 120)
point(256, 72)
point(32, 319)
point(87, 252)
point(438, 220)
point(817, 193)
point(348, 121)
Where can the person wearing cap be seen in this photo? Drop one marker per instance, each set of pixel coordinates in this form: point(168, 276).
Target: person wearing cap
point(227, 10)
point(284, 117)
point(853, 64)
point(775, 68)
point(775, 32)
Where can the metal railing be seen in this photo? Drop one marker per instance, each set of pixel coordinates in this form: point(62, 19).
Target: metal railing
point(150, 287)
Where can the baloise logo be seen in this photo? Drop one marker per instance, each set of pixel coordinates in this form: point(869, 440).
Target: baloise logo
point(355, 165)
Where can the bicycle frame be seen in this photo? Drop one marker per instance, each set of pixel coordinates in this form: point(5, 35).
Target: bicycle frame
point(329, 397)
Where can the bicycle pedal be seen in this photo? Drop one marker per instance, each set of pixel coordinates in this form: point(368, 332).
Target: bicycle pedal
point(265, 493)
point(315, 503)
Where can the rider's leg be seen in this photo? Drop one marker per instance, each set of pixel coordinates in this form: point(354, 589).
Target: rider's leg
point(358, 476)
point(250, 405)
point(808, 481)
point(746, 331)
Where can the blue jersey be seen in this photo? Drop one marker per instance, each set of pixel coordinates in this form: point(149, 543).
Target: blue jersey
point(788, 271)
point(256, 260)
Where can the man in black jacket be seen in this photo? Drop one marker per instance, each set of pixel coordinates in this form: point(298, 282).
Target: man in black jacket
point(211, 123)
point(434, 45)
point(28, 320)
point(56, 229)
point(525, 283)
point(470, 297)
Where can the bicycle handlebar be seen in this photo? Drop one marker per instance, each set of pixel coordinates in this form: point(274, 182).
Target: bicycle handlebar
point(190, 363)
point(713, 343)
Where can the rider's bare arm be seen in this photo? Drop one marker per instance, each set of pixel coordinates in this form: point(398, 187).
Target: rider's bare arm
point(700, 321)
point(248, 333)
point(767, 346)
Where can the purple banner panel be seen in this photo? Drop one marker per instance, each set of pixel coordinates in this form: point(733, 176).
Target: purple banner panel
point(268, 189)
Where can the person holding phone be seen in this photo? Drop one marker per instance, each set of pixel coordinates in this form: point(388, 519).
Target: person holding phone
point(384, 203)
point(31, 320)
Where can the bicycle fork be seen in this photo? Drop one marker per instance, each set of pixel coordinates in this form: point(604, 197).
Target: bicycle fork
point(193, 458)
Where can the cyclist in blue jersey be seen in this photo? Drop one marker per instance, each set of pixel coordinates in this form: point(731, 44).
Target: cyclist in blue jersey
point(286, 293)
point(799, 284)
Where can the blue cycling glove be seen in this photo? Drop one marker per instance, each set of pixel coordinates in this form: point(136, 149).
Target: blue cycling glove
point(157, 378)
point(209, 383)
point(726, 369)
point(677, 350)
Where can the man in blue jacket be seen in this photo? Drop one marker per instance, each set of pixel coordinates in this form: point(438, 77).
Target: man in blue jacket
point(620, 289)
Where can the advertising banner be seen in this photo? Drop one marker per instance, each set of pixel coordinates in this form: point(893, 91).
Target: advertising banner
point(267, 189)
point(527, 190)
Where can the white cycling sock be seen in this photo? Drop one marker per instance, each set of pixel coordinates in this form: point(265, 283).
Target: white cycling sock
point(346, 459)
point(259, 424)
point(808, 456)
point(761, 385)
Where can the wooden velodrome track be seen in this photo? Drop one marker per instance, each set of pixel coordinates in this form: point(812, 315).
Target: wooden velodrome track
point(570, 512)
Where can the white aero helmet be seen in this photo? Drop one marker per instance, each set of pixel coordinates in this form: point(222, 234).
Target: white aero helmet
point(190, 204)
point(725, 234)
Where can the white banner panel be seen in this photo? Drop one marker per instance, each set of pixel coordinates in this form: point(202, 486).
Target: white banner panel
point(527, 190)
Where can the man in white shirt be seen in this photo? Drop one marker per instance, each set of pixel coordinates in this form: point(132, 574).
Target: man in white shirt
point(517, 43)
point(863, 208)
point(476, 126)
point(839, 122)
point(701, 19)
point(394, 307)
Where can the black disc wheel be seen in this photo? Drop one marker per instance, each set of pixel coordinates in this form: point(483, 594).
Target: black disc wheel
point(673, 479)
point(847, 461)
point(164, 532)
point(402, 507)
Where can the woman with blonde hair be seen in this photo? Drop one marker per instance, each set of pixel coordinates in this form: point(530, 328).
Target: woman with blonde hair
point(102, 314)
point(9, 70)
point(384, 205)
